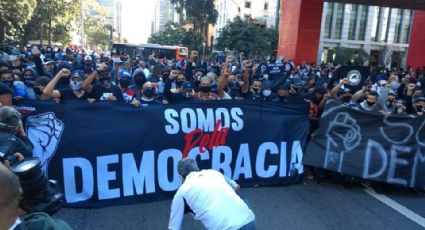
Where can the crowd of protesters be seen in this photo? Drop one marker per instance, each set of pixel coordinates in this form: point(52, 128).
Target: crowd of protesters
point(61, 75)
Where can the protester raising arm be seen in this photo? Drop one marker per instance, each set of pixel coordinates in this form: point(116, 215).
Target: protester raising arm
point(246, 74)
point(87, 84)
point(335, 90)
point(222, 81)
point(49, 90)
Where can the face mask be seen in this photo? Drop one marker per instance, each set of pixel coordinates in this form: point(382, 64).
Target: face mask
point(389, 103)
point(205, 89)
point(267, 92)
point(166, 75)
point(370, 103)
point(75, 85)
point(28, 80)
point(399, 111)
point(282, 98)
point(149, 92)
point(346, 98)
point(124, 83)
point(105, 83)
point(419, 108)
point(179, 84)
point(256, 91)
point(8, 83)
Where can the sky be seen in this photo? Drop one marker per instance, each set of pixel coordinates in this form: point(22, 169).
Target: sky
point(137, 16)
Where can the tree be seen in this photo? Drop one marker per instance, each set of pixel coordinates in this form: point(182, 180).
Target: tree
point(13, 16)
point(54, 20)
point(244, 37)
point(200, 13)
point(173, 34)
point(96, 28)
point(349, 56)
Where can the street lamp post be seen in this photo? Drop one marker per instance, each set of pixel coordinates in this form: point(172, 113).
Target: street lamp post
point(203, 50)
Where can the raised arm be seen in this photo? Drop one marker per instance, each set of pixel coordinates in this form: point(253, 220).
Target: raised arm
point(49, 89)
point(246, 74)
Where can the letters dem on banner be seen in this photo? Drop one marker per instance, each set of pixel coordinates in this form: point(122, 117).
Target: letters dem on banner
point(389, 149)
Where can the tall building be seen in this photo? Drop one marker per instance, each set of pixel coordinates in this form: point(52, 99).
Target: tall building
point(382, 32)
point(114, 19)
point(164, 13)
point(260, 12)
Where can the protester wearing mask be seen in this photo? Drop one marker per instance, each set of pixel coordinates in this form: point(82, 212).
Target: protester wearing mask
point(7, 77)
point(75, 90)
point(204, 92)
point(183, 90)
point(88, 64)
point(255, 92)
point(419, 106)
point(148, 96)
point(29, 77)
point(399, 108)
point(386, 101)
point(38, 85)
point(139, 78)
point(267, 94)
point(64, 81)
point(104, 89)
point(44, 67)
point(282, 94)
point(124, 79)
point(369, 105)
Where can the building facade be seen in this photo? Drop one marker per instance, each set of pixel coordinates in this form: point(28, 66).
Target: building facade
point(114, 8)
point(260, 12)
point(383, 32)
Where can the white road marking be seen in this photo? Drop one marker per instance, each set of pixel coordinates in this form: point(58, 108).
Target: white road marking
point(396, 206)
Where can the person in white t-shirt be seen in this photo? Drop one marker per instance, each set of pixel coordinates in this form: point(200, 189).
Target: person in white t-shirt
point(212, 199)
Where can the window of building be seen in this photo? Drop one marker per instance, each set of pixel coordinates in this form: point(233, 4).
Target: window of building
point(407, 23)
point(398, 24)
point(328, 19)
point(364, 11)
point(266, 6)
point(385, 24)
point(339, 21)
point(353, 21)
point(248, 5)
point(376, 23)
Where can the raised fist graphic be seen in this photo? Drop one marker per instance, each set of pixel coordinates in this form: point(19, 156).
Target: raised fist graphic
point(343, 136)
point(44, 131)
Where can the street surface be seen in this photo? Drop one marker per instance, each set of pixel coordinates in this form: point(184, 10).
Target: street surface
point(305, 206)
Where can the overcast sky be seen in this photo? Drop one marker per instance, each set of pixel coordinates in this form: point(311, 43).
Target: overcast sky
point(137, 17)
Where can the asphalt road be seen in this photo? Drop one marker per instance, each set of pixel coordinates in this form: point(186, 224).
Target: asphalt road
point(305, 206)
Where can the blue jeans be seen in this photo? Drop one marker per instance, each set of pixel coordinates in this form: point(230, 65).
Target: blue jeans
point(249, 226)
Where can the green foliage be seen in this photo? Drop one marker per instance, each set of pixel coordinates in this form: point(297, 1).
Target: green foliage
point(200, 13)
point(244, 37)
point(96, 28)
point(52, 18)
point(13, 16)
point(173, 34)
point(349, 56)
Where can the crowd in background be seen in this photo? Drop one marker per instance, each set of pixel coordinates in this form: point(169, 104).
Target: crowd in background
point(67, 74)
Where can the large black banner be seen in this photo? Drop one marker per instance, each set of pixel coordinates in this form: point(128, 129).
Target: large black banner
point(389, 149)
point(111, 154)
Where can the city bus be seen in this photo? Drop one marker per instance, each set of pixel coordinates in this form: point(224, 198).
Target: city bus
point(121, 50)
point(162, 51)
